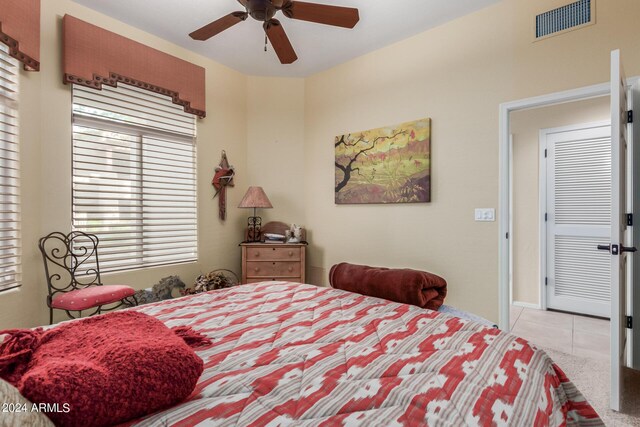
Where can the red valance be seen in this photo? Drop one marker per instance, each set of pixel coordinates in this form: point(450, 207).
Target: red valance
point(94, 56)
point(20, 30)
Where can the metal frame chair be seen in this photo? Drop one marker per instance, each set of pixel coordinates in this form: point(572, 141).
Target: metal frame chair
point(71, 264)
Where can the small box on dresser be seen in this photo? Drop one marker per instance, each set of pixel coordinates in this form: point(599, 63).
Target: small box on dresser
point(273, 261)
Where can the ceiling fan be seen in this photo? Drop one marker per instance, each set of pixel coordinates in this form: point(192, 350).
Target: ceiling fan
point(265, 10)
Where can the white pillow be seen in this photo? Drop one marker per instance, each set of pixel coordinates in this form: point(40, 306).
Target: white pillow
point(15, 410)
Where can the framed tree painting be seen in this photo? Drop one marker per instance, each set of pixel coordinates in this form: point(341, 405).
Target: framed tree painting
point(386, 165)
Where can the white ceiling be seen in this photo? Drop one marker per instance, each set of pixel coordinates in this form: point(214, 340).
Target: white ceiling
point(319, 47)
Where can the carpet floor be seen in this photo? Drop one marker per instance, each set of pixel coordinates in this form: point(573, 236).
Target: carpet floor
point(592, 379)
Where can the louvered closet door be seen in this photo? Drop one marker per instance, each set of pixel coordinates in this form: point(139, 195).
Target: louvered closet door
point(578, 220)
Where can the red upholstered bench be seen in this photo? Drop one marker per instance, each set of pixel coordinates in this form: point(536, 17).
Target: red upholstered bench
point(82, 299)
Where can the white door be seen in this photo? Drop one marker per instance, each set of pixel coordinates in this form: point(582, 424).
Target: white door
point(578, 218)
point(619, 251)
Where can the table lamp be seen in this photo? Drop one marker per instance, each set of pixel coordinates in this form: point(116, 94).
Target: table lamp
point(254, 198)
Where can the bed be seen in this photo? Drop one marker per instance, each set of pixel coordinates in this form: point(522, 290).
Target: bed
point(293, 354)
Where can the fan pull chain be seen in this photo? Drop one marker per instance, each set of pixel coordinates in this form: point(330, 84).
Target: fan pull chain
point(265, 42)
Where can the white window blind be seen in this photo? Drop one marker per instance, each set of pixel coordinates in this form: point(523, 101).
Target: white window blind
point(9, 173)
point(134, 176)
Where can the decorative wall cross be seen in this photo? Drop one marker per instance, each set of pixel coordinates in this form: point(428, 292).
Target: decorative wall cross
point(222, 179)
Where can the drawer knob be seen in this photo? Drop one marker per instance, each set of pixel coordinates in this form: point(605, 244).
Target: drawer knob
point(290, 253)
point(290, 269)
point(257, 254)
point(273, 249)
point(257, 269)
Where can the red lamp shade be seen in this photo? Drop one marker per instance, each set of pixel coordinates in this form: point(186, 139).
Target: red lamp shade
point(255, 198)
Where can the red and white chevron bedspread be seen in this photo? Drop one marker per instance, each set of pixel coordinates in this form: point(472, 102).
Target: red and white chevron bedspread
point(290, 354)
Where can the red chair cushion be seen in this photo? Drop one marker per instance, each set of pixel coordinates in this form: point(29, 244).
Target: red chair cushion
point(92, 296)
point(106, 369)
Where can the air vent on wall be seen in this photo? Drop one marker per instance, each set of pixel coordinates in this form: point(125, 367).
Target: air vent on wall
point(564, 18)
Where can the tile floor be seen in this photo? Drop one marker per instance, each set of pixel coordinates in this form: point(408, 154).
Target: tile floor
point(569, 333)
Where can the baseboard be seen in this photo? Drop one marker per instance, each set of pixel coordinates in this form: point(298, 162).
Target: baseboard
point(526, 305)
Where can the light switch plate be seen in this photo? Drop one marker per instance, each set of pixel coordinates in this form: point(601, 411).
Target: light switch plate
point(485, 214)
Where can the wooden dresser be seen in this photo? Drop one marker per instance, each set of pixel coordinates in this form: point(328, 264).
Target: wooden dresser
point(273, 261)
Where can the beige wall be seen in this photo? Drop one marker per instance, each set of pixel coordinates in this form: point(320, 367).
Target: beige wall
point(525, 128)
point(275, 141)
point(45, 111)
point(457, 74)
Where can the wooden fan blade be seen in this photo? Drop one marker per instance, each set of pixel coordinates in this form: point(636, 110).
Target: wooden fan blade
point(216, 27)
point(280, 42)
point(338, 16)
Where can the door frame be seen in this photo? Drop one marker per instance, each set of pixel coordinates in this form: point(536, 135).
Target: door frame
point(633, 155)
point(504, 124)
point(542, 194)
point(542, 224)
point(511, 301)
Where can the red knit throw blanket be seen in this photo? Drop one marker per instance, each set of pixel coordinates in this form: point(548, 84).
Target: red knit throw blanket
point(108, 369)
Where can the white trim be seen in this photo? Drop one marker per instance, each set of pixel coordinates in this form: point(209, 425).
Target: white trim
point(504, 188)
point(511, 218)
point(504, 297)
point(578, 126)
point(542, 224)
point(634, 294)
point(526, 305)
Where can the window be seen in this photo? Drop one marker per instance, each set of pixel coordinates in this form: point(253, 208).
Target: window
point(9, 173)
point(134, 176)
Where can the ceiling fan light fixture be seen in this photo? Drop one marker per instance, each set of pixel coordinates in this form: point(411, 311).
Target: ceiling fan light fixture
point(265, 10)
point(261, 10)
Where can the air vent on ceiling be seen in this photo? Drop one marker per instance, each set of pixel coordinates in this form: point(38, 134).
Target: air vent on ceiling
point(564, 18)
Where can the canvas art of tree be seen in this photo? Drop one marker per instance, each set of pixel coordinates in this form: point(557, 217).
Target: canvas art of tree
point(385, 165)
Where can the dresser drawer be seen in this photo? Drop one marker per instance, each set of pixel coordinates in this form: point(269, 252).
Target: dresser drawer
point(263, 262)
point(273, 254)
point(273, 269)
point(274, 279)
